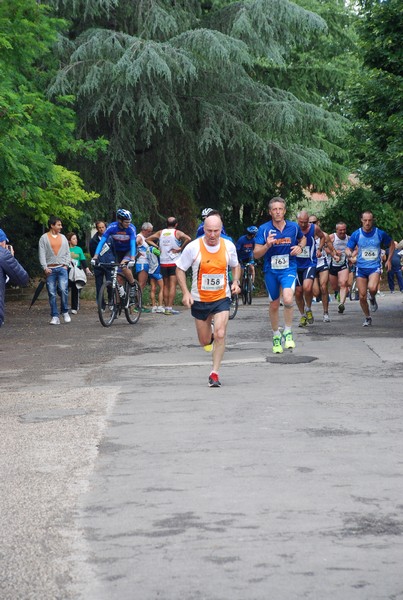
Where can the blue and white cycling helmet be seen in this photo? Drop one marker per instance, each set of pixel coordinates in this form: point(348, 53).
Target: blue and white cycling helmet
point(124, 215)
point(206, 211)
point(252, 230)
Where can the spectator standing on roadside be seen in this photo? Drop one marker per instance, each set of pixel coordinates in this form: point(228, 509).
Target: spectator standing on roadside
point(77, 258)
point(144, 248)
point(147, 265)
point(395, 270)
point(171, 243)
point(106, 255)
point(10, 269)
point(54, 257)
point(156, 281)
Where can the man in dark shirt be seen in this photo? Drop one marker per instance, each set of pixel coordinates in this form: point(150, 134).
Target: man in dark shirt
point(107, 256)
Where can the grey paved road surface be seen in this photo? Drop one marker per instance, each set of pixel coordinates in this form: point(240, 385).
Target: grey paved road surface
point(123, 476)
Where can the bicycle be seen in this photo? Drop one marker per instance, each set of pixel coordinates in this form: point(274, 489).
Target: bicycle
point(111, 303)
point(233, 308)
point(353, 293)
point(247, 284)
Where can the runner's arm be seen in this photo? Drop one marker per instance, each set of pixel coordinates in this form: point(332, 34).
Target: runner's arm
point(154, 237)
point(295, 250)
point(322, 236)
point(187, 299)
point(236, 274)
point(184, 238)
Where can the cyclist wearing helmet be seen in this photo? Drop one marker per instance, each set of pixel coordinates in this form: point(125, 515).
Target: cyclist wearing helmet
point(206, 212)
point(244, 247)
point(123, 236)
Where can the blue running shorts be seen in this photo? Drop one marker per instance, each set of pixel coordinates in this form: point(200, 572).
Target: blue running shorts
point(156, 275)
point(365, 273)
point(284, 278)
point(142, 267)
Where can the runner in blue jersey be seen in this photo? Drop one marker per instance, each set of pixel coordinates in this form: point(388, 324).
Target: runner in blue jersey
point(306, 267)
point(123, 235)
point(244, 248)
point(368, 241)
point(280, 242)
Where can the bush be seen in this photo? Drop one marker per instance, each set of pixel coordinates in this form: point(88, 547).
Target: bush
point(348, 206)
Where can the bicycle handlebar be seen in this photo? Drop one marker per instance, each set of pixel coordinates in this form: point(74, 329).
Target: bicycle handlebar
point(110, 265)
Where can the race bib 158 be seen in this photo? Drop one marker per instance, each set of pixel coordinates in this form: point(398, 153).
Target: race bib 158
point(212, 282)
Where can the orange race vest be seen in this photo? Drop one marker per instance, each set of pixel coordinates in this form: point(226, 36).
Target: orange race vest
point(212, 273)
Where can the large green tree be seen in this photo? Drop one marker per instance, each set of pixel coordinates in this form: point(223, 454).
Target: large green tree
point(377, 105)
point(320, 69)
point(173, 87)
point(33, 129)
point(317, 70)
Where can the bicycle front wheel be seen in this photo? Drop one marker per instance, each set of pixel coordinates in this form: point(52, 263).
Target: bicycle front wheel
point(244, 289)
point(233, 309)
point(108, 304)
point(249, 289)
point(134, 303)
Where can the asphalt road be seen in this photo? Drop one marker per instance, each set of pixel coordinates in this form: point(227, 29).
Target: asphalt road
point(124, 476)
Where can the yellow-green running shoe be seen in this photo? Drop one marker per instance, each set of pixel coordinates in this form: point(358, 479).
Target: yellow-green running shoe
point(288, 341)
point(277, 347)
point(303, 322)
point(309, 316)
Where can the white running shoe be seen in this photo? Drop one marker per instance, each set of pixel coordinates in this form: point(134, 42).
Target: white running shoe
point(54, 321)
point(67, 318)
point(160, 309)
point(154, 309)
point(326, 318)
point(74, 312)
point(367, 322)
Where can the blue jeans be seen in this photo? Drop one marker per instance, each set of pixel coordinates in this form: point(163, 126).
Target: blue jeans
point(391, 278)
point(58, 281)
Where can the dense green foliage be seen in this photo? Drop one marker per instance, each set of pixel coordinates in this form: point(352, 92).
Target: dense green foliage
point(377, 107)
point(167, 107)
point(351, 202)
point(33, 130)
point(175, 89)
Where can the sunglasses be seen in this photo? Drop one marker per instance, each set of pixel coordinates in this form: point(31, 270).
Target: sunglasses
point(310, 222)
